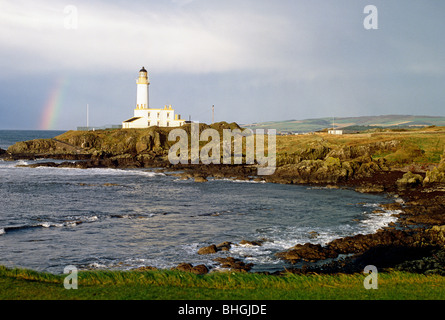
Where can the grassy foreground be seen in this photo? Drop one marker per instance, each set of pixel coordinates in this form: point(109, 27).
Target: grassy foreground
point(26, 284)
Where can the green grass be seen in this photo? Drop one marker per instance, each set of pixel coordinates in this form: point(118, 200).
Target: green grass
point(174, 285)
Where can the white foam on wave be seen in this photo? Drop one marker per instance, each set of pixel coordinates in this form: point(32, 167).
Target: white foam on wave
point(72, 222)
point(2, 231)
point(91, 219)
point(75, 171)
point(100, 171)
point(12, 164)
point(377, 220)
point(48, 224)
point(96, 265)
point(51, 224)
point(133, 263)
point(237, 180)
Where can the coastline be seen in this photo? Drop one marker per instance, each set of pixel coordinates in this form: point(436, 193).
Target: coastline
point(417, 235)
point(412, 237)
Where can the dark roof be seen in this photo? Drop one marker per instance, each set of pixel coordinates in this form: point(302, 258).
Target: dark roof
point(143, 70)
point(132, 119)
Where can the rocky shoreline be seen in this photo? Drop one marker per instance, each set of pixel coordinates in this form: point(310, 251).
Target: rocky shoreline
point(416, 243)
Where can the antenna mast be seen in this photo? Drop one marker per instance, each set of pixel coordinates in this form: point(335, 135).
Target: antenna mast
point(88, 124)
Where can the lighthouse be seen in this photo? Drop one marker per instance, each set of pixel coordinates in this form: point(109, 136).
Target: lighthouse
point(144, 116)
point(142, 89)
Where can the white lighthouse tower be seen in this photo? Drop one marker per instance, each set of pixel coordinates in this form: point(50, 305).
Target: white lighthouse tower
point(142, 90)
point(144, 116)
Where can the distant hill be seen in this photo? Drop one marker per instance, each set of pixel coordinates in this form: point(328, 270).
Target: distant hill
point(350, 123)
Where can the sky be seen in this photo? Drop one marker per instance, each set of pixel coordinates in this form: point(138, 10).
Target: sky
point(254, 60)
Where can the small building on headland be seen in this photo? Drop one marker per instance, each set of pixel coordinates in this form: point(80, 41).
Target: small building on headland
point(144, 116)
point(335, 131)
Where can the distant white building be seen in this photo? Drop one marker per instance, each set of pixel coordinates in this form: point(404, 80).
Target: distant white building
point(144, 116)
point(335, 131)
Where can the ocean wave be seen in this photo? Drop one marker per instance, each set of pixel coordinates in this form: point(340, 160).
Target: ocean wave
point(47, 224)
point(13, 164)
point(379, 219)
point(237, 180)
point(23, 165)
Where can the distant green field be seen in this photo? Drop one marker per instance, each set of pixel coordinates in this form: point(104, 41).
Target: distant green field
point(309, 125)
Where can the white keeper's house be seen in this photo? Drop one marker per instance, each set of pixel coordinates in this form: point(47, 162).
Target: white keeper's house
point(144, 116)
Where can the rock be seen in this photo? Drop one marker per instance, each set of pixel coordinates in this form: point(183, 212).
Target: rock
point(251, 243)
point(410, 180)
point(370, 188)
point(436, 175)
point(392, 206)
point(438, 228)
point(433, 263)
point(367, 169)
point(354, 152)
point(437, 233)
point(200, 179)
point(146, 268)
point(186, 267)
point(307, 252)
point(199, 269)
point(224, 246)
point(234, 264)
point(208, 250)
point(313, 234)
point(36, 146)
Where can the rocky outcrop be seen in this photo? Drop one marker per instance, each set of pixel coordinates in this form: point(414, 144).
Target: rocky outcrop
point(200, 179)
point(354, 152)
point(208, 250)
point(436, 175)
point(327, 171)
point(410, 180)
point(399, 242)
point(187, 267)
point(432, 262)
point(319, 162)
point(251, 243)
point(307, 252)
point(224, 246)
point(233, 264)
point(151, 142)
point(38, 146)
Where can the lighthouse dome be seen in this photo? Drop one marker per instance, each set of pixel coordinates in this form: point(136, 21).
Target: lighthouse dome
point(143, 70)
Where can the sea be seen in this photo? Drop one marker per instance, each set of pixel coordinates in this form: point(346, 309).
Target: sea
point(122, 219)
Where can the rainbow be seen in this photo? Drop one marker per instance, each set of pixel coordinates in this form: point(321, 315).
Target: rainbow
point(53, 104)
